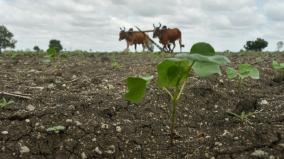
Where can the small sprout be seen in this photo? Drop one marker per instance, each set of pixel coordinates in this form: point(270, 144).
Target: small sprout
point(51, 54)
point(244, 71)
point(115, 65)
point(56, 129)
point(279, 67)
point(173, 74)
point(243, 117)
point(4, 103)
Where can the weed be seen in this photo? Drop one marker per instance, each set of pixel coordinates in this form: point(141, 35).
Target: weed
point(4, 103)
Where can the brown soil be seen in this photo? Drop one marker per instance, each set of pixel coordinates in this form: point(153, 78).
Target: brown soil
point(84, 94)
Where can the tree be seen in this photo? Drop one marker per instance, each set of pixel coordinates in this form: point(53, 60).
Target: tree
point(36, 49)
point(257, 45)
point(56, 45)
point(279, 45)
point(6, 38)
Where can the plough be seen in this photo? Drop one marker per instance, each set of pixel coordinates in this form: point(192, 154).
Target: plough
point(152, 41)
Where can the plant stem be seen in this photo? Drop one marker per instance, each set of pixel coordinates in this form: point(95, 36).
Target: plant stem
point(173, 119)
point(240, 83)
point(181, 90)
point(170, 94)
point(175, 98)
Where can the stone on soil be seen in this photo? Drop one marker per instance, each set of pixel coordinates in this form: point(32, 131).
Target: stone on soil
point(30, 107)
point(259, 153)
point(24, 149)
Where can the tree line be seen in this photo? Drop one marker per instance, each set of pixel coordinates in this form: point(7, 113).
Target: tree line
point(7, 41)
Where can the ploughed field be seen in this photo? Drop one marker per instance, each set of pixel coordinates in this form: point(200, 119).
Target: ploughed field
point(85, 95)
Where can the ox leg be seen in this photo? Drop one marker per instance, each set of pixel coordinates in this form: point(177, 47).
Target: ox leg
point(165, 48)
point(135, 46)
point(169, 47)
point(127, 47)
point(143, 46)
point(173, 47)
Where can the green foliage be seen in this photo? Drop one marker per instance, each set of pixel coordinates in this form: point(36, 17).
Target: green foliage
point(4, 103)
point(257, 45)
point(136, 88)
point(174, 72)
point(244, 71)
point(56, 45)
point(6, 38)
point(51, 53)
point(243, 117)
point(56, 129)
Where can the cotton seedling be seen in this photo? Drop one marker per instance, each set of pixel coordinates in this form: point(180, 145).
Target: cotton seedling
point(244, 71)
point(173, 74)
point(279, 67)
point(51, 54)
point(243, 117)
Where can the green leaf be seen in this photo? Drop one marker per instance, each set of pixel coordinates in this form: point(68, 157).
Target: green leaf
point(217, 59)
point(231, 72)
point(205, 65)
point(254, 73)
point(244, 69)
point(136, 88)
point(204, 69)
point(172, 72)
point(202, 48)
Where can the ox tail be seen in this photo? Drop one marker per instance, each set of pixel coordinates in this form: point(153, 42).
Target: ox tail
point(181, 45)
point(180, 41)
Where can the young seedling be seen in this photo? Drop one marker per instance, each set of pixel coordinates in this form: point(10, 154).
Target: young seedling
point(4, 103)
point(51, 54)
point(173, 74)
point(114, 63)
point(279, 67)
point(244, 71)
point(243, 117)
point(56, 129)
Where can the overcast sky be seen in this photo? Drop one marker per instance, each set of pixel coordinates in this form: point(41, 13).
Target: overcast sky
point(94, 24)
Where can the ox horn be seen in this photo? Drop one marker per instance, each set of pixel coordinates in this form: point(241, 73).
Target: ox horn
point(124, 28)
point(154, 26)
point(121, 29)
point(160, 24)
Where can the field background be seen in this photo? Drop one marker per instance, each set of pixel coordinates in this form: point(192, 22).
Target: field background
point(84, 93)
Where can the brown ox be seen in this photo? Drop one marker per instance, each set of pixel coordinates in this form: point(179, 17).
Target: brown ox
point(135, 38)
point(167, 36)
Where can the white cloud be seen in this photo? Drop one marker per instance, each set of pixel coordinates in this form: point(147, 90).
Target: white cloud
point(94, 24)
point(274, 10)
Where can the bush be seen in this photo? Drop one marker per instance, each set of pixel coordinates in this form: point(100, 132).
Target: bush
point(257, 45)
